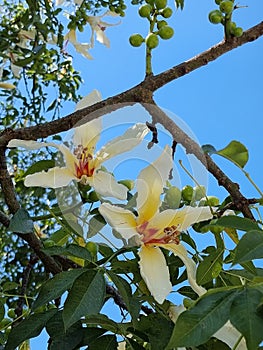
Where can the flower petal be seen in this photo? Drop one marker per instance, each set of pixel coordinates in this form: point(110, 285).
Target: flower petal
point(150, 185)
point(188, 216)
point(53, 178)
point(181, 252)
point(30, 145)
point(93, 97)
point(105, 184)
point(130, 139)
point(155, 272)
point(122, 220)
point(229, 334)
point(101, 37)
point(88, 134)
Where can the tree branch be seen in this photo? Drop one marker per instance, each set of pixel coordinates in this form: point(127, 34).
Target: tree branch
point(192, 147)
point(155, 82)
point(139, 93)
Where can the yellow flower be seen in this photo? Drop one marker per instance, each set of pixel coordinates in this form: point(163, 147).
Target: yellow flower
point(153, 229)
point(82, 164)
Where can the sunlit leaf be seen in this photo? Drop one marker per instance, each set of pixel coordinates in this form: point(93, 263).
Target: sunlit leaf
point(56, 286)
point(21, 222)
point(237, 222)
point(250, 247)
point(236, 152)
point(210, 267)
point(29, 328)
point(244, 316)
point(86, 297)
point(71, 249)
point(196, 325)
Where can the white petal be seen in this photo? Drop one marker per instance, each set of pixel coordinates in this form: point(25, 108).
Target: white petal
point(180, 251)
point(88, 134)
point(30, 145)
point(93, 97)
point(130, 139)
point(53, 178)
point(122, 220)
point(105, 184)
point(155, 272)
point(229, 334)
point(190, 215)
point(150, 183)
point(101, 37)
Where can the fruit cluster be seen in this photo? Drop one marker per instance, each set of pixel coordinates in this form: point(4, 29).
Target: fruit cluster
point(224, 16)
point(153, 10)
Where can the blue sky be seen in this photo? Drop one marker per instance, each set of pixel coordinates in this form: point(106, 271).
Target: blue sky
point(218, 103)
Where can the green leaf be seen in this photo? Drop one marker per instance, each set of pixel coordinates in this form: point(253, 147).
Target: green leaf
point(71, 249)
point(86, 297)
point(236, 222)
point(125, 291)
point(250, 247)
point(196, 325)
point(157, 328)
point(60, 237)
point(21, 222)
point(96, 223)
point(210, 267)
point(29, 328)
point(61, 340)
point(56, 286)
point(133, 345)
point(104, 322)
point(209, 149)
point(2, 311)
point(42, 165)
point(105, 342)
point(236, 152)
point(90, 334)
point(244, 316)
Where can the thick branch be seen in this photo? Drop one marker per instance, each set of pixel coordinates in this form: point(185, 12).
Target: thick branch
point(155, 82)
point(192, 147)
point(139, 93)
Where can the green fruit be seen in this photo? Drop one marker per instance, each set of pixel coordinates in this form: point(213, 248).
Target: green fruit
point(160, 4)
point(127, 183)
point(226, 6)
point(167, 12)
point(199, 192)
point(210, 201)
point(166, 32)
point(215, 17)
point(136, 40)
point(93, 197)
point(218, 2)
point(151, 2)
point(152, 41)
point(238, 31)
point(161, 23)
point(187, 193)
point(173, 197)
point(145, 10)
point(11, 313)
point(49, 243)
